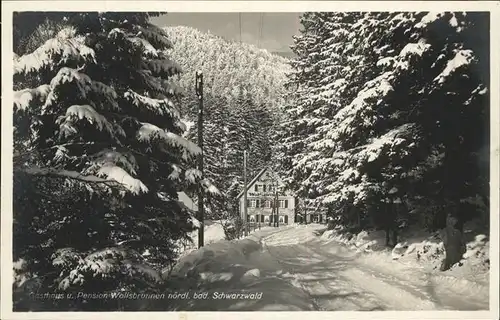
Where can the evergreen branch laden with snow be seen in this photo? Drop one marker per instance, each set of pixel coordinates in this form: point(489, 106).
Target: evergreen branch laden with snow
point(65, 48)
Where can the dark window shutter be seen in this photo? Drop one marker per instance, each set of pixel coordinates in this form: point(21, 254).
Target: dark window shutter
point(261, 218)
point(286, 218)
point(286, 203)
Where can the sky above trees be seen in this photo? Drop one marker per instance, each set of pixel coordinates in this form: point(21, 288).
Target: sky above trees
point(277, 27)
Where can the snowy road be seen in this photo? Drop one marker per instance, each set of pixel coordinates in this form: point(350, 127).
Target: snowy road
point(336, 280)
point(296, 270)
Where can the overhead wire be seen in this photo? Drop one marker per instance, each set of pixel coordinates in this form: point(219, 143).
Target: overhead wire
point(261, 23)
point(239, 21)
point(240, 25)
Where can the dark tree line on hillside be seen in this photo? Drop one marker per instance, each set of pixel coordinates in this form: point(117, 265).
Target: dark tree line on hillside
point(230, 127)
point(390, 120)
point(243, 90)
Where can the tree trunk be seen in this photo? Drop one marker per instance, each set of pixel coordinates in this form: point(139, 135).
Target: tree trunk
point(387, 237)
point(454, 243)
point(358, 216)
point(387, 223)
point(391, 232)
point(394, 235)
point(394, 223)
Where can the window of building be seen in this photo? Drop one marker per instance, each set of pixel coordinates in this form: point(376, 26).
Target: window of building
point(257, 203)
point(256, 188)
point(261, 218)
point(264, 188)
point(248, 203)
point(252, 203)
point(268, 204)
point(282, 204)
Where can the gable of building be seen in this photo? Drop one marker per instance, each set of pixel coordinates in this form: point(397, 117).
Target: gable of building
point(265, 177)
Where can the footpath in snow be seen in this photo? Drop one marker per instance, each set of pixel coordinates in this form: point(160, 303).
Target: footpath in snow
point(302, 267)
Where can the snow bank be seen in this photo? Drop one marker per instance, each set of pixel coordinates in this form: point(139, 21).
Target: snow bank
point(231, 267)
point(219, 251)
point(424, 252)
point(208, 258)
point(365, 241)
point(417, 246)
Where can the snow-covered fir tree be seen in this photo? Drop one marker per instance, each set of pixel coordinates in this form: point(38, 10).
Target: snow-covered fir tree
point(380, 124)
point(99, 157)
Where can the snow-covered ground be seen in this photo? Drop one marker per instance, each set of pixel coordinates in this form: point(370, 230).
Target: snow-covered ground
point(213, 232)
point(301, 267)
point(416, 261)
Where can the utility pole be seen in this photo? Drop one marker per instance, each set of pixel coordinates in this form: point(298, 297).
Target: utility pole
point(305, 212)
point(277, 208)
point(201, 208)
point(260, 215)
point(277, 203)
point(245, 211)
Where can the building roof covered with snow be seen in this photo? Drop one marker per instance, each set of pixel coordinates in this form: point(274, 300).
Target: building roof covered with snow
point(266, 174)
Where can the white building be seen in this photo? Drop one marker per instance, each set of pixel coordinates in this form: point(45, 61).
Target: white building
point(261, 200)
